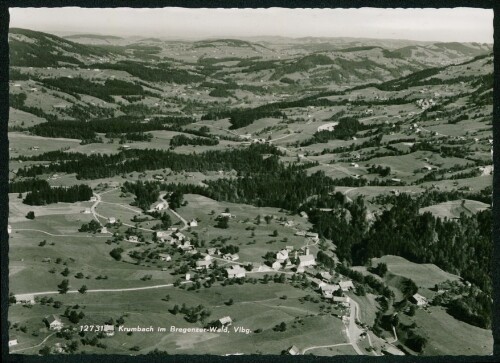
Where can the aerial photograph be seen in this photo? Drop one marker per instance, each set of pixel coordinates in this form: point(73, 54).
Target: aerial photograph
point(250, 181)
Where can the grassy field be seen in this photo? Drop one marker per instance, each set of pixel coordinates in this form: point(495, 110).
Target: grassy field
point(255, 307)
point(454, 208)
point(21, 144)
point(424, 275)
point(448, 336)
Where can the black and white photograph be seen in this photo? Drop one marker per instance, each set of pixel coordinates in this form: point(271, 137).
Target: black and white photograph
point(250, 181)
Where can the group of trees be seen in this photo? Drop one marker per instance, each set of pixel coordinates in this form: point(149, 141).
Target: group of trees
point(180, 140)
point(43, 193)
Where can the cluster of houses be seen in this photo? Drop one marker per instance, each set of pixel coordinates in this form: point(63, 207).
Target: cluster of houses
point(424, 104)
point(283, 258)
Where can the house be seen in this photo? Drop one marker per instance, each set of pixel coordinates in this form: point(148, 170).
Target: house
point(427, 167)
point(13, 342)
point(134, 239)
point(282, 255)
point(188, 276)
point(355, 165)
point(125, 147)
point(112, 220)
point(327, 290)
point(203, 264)
point(9, 229)
point(328, 127)
point(46, 259)
point(165, 257)
point(300, 233)
point(276, 265)
point(419, 300)
point(325, 276)
point(293, 350)
point(25, 299)
point(54, 322)
point(87, 211)
point(235, 271)
point(163, 234)
point(180, 236)
point(109, 330)
point(306, 260)
point(104, 230)
point(289, 248)
point(346, 285)
point(93, 199)
point(341, 299)
point(226, 215)
point(193, 223)
point(304, 215)
point(223, 322)
point(212, 251)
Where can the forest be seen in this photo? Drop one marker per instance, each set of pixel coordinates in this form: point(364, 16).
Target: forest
point(44, 194)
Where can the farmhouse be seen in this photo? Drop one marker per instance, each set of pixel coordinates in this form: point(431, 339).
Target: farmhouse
point(162, 234)
point(165, 257)
point(427, 167)
point(134, 239)
point(112, 220)
point(25, 299)
point(346, 285)
point(226, 215)
point(54, 322)
point(13, 342)
point(109, 330)
point(304, 215)
point(282, 255)
point(419, 300)
point(212, 251)
point(9, 229)
point(325, 276)
point(300, 233)
point(276, 265)
point(87, 211)
point(93, 199)
point(327, 290)
point(223, 322)
point(341, 299)
point(306, 260)
point(104, 230)
point(328, 127)
point(293, 350)
point(203, 264)
point(235, 271)
point(188, 276)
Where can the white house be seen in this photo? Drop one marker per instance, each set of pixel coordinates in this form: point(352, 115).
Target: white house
point(325, 276)
point(327, 290)
point(306, 260)
point(163, 234)
point(104, 230)
point(225, 321)
point(193, 223)
point(226, 215)
point(54, 322)
point(300, 233)
point(235, 271)
point(419, 300)
point(346, 285)
point(165, 257)
point(203, 264)
point(93, 199)
point(328, 127)
point(13, 342)
point(112, 220)
point(276, 265)
point(9, 229)
point(293, 350)
point(282, 255)
point(134, 239)
point(304, 215)
point(109, 330)
point(87, 211)
point(188, 276)
point(25, 299)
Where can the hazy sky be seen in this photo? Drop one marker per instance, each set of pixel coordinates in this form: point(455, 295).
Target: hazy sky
point(458, 24)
